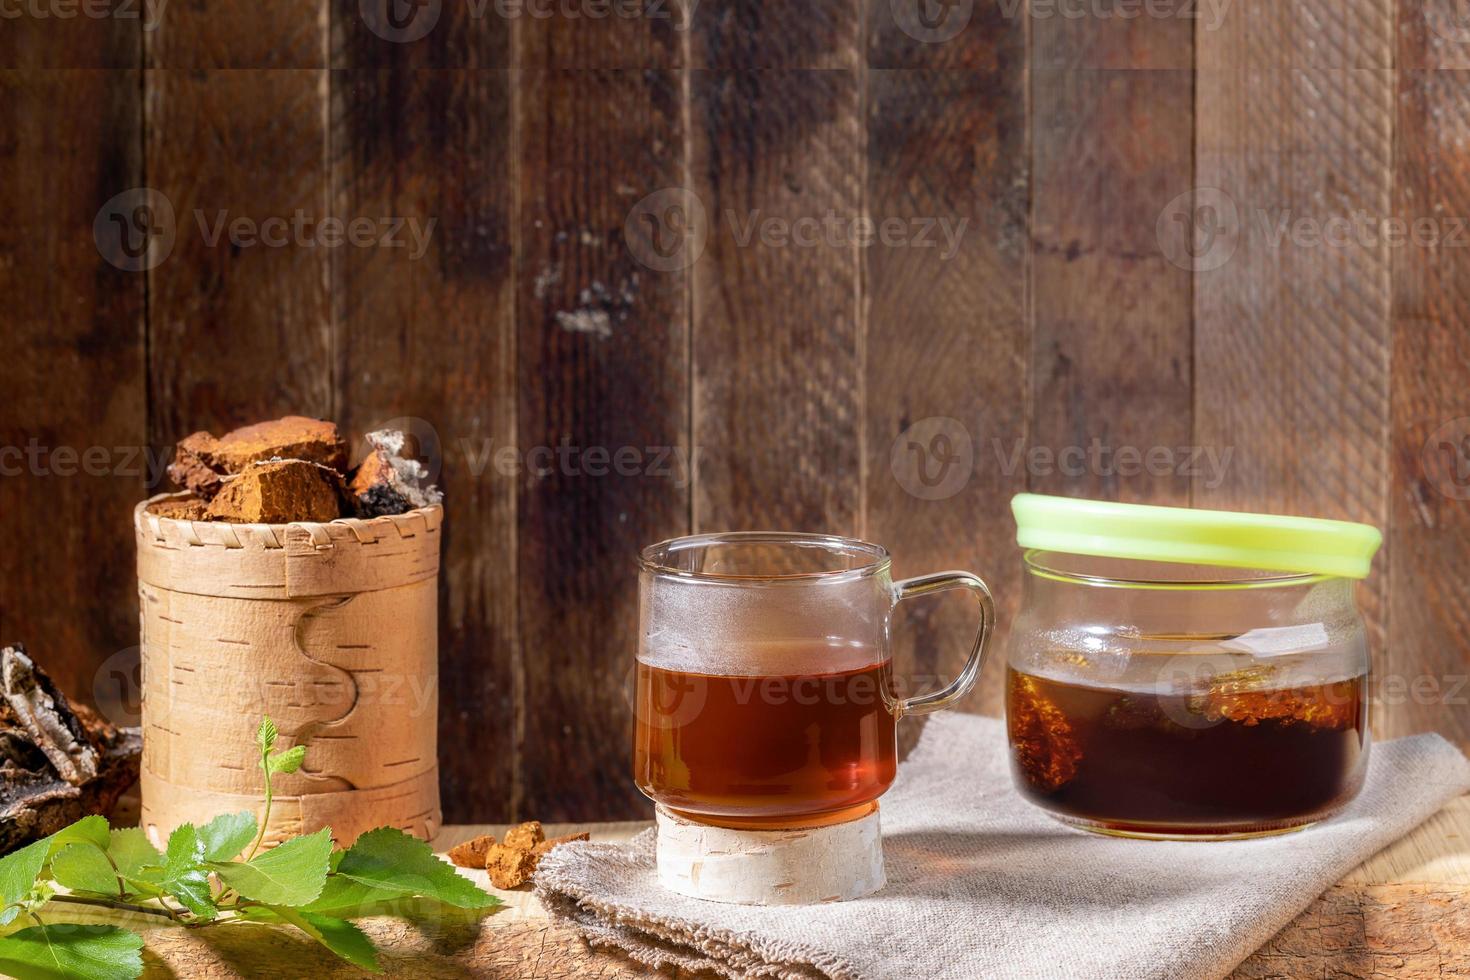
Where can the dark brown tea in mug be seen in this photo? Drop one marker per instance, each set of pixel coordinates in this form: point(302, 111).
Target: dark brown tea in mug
point(759, 749)
point(1235, 757)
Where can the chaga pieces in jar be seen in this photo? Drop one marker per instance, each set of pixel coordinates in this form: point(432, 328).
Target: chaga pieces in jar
point(202, 461)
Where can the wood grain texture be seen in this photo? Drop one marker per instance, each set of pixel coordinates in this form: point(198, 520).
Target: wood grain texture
point(582, 35)
point(1295, 143)
point(73, 417)
point(432, 34)
point(1411, 932)
point(1412, 923)
point(427, 336)
point(1429, 593)
point(262, 34)
point(776, 139)
point(238, 332)
point(602, 360)
point(777, 411)
point(1112, 117)
point(426, 946)
point(45, 35)
point(740, 35)
point(947, 338)
point(1436, 853)
point(958, 36)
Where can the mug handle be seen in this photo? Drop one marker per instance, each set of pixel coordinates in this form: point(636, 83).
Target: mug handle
point(961, 685)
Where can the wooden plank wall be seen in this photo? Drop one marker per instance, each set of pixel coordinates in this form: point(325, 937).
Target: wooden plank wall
point(946, 359)
point(648, 237)
point(1295, 131)
point(1429, 518)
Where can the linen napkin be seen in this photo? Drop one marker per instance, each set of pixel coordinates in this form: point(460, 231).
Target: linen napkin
point(982, 884)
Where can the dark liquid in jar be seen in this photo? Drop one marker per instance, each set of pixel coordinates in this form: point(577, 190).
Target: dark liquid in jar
point(1235, 758)
point(759, 750)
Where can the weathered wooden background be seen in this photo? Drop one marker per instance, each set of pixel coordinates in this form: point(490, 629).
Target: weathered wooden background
point(1139, 184)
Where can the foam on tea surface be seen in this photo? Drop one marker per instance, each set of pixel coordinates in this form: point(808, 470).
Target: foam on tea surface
point(710, 628)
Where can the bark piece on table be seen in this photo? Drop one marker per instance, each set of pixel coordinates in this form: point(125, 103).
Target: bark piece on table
point(57, 764)
point(46, 715)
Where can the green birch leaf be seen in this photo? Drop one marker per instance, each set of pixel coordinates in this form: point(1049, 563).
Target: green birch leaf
point(227, 835)
point(338, 935)
point(40, 895)
point(286, 762)
point(20, 869)
point(265, 735)
point(132, 851)
point(386, 864)
point(70, 952)
point(88, 830)
point(291, 873)
point(184, 874)
point(18, 873)
point(351, 899)
point(82, 867)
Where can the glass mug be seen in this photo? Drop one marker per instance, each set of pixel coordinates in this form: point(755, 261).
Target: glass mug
point(764, 676)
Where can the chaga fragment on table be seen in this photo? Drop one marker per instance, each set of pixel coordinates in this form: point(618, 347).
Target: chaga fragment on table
point(57, 764)
point(471, 853)
point(203, 461)
point(513, 861)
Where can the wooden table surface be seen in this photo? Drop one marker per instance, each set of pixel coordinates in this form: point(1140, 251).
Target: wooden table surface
point(1405, 913)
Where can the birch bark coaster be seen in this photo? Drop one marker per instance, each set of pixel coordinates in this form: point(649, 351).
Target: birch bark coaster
point(794, 866)
point(328, 628)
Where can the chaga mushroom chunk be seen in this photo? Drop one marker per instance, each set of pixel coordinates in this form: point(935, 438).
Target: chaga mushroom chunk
point(279, 492)
point(202, 461)
point(388, 482)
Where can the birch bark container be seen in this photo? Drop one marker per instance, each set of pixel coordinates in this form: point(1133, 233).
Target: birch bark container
point(331, 630)
point(801, 865)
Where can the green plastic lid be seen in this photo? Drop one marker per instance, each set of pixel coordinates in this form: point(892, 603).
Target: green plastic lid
point(1196, 537)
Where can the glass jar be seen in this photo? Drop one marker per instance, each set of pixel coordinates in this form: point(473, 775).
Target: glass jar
point(1187, 674)
point(764, 692)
